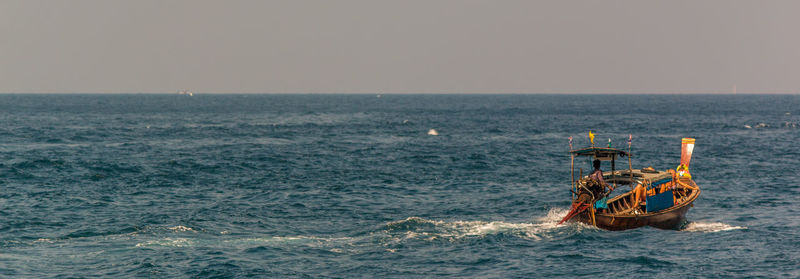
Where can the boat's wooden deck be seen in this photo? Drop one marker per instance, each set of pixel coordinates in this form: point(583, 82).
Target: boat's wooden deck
point(624, 204)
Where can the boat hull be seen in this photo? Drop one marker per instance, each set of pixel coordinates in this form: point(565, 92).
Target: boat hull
point(670, 218)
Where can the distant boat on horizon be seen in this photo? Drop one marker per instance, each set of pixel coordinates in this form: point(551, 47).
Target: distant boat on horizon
point(185, 92)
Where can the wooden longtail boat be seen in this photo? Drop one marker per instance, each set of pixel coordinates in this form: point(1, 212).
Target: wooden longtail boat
point(660, 198)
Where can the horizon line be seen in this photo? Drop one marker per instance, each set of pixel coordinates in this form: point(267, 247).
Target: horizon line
point(408, 93)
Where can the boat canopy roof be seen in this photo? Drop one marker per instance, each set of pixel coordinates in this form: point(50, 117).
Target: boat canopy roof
point(600, 153)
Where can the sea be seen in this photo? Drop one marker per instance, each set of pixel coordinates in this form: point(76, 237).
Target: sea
point(355, 186)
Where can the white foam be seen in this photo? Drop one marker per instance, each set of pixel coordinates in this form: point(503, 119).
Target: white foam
point(710, 227)
point(168, 242)
point(554, 215)
point(181, 229)
point(300, 239)
point(481, 228)
point(542, 227)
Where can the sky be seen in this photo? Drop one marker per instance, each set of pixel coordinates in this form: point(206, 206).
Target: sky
point(408, 46)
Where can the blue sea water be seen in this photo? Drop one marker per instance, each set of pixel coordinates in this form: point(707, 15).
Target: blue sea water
point(352, 186)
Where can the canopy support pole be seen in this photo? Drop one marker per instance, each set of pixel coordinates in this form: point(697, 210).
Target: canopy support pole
point(572, 175)
point(630, 166)
point(613, 168)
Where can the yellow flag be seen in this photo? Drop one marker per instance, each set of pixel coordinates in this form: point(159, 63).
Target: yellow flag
point(591, 137)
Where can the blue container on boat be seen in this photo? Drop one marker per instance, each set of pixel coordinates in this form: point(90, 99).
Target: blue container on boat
point(660, 201)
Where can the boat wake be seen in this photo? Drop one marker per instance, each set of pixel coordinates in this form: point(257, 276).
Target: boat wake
point(389, 235)
point(419, 228)
point(710, 227)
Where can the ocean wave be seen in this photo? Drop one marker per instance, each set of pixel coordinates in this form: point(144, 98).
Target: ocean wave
point(180, 228)
point(309, 119)
point(710, 227)
point(299, 239)
point(15, 147)
point(168, 242)
point(762, 125)
point(645, 261)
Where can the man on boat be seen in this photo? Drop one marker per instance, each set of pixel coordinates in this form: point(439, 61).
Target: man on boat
point(597, 176)
point(599, 187)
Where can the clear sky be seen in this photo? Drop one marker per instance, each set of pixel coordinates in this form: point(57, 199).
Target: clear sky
point(399, 46)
